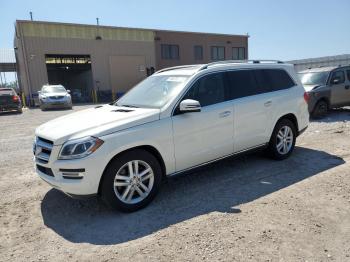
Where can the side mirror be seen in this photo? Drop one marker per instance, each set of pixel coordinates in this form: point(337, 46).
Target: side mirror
point(189, 105)
point(68, 91)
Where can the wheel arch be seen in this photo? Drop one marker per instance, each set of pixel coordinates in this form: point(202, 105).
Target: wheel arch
point(291, 117)
point(150, 149)
point(324, 98)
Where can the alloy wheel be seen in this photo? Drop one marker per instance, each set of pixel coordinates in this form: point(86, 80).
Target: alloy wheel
point(133, 182)
point(284, 140)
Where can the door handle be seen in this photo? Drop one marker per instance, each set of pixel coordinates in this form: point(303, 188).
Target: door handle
point(268, 103)
point(225, 114)
point(347, 87)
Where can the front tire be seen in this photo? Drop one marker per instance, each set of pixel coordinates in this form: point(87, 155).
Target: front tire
point(131, 181)
point(282, 140)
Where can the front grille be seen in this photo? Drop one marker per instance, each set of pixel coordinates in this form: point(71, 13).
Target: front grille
point(47, 171)
point(56, 97)
point(42, 150)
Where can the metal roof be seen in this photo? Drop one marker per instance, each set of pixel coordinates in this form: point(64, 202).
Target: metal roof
point(321, 59)
point(7, 56)
point(319, 69)
point(7, 60)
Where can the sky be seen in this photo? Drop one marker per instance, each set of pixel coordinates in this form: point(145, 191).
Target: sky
point(278, 29)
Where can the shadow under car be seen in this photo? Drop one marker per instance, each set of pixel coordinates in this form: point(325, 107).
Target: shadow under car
point(219, 187)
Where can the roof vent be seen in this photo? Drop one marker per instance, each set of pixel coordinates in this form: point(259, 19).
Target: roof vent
point(122, 110)
point(98, 107)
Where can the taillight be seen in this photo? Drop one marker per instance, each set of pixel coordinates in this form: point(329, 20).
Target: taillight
point(15, 98)
point(306, 97)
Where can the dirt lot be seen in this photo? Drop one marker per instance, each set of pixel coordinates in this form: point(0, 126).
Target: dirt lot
point(244, 209)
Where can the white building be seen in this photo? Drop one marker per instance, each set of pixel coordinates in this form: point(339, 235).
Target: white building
point(338, 60)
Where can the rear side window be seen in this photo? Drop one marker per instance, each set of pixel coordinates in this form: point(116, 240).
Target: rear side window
point(242, 83)
point(278, 79)
point(208, 90)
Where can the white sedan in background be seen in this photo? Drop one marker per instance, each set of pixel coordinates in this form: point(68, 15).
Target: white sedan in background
point(54, 96)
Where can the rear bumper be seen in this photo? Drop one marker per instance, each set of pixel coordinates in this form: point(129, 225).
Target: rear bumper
point(10, 107)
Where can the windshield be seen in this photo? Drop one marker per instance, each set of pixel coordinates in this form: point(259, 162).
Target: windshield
point(153, 92)
point(4, 92)
point(53, 89)
point(316, 78)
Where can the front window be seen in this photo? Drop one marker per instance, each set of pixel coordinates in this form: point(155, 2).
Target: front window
point(314, 78)
point(53, 89)
point(154, 92)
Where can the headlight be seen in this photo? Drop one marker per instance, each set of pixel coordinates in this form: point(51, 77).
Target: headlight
point(79, 148)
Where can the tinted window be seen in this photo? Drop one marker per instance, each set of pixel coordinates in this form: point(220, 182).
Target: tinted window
point(170, 51)
point(348, 74)
point(263, 81)
point(242, 83)
point(338, 75)
point(198, 52)
point(208, 90)
point(278, 79)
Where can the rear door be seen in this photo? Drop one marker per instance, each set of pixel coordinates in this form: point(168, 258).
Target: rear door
point(261, 95)
point(340, 92)
point(252, 107)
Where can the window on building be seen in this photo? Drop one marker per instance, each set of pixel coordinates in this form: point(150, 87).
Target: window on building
point(198, 52)
point(238, 53)
point(217, 53)
point(170, 51)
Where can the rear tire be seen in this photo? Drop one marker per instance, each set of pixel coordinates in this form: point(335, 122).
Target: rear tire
point(320, 110)
point(282, 140)
point(126, 192)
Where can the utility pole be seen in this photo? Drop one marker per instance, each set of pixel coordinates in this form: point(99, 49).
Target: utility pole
point(31, 15)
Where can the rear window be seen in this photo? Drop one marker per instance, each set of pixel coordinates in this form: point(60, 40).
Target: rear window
point(6, 92)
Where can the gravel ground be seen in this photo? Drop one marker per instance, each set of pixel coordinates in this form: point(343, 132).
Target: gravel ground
point(245, 209)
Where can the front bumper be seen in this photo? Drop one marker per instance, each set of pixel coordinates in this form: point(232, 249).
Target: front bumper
point(78, 177)
point(55, 104)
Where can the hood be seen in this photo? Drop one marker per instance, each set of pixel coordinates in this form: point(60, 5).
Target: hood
point(96, 121)
point(309, 88)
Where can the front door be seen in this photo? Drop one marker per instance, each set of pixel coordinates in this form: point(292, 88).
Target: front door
point(340, 94)
point(203, 136)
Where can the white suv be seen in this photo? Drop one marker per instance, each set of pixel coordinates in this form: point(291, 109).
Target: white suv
point(175, 120)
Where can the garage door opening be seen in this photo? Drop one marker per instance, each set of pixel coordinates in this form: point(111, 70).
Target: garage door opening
point(73, 72)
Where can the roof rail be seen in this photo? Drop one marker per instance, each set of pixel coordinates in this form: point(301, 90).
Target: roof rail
point(174, 67)
point(241, 61)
